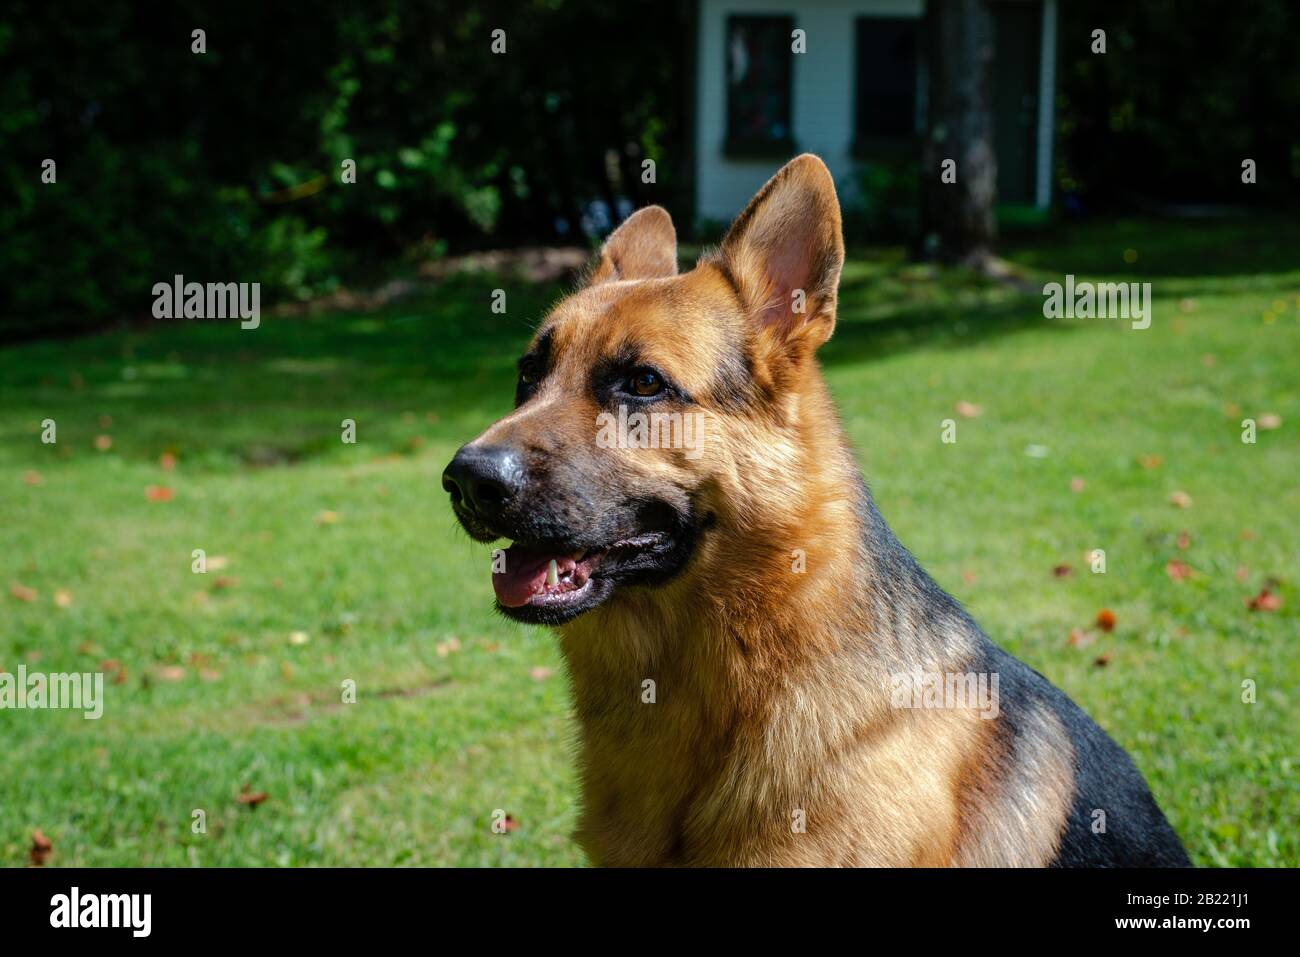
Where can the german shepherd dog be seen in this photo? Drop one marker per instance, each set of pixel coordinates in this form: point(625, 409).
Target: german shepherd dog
point(739, 624)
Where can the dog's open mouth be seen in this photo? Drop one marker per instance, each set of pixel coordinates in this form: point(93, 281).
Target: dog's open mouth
point(537, 583)
point(540, 577)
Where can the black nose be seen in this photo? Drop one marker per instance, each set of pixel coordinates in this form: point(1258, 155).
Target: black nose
point(483, 479)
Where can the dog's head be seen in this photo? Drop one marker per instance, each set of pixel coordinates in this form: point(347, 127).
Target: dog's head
point(648, 402)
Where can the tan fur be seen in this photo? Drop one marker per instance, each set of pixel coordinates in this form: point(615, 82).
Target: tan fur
point(772, 686)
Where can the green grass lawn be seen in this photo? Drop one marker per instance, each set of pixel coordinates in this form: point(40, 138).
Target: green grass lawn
point(460, 713)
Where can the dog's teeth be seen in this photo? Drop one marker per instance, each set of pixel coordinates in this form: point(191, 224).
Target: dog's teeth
point(553, 574)
point(578, 555)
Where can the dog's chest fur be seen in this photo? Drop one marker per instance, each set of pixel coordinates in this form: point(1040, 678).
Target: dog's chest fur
point(729, 759)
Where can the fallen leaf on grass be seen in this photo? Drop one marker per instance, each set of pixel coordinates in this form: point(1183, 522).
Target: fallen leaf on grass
point(33, 478)
point(42, 848)
point(1264, 601)
point(159, 493)
point(1077, 484)
point(1184, 540)
point(1106, 620)
point(217, 562)
point(63, 598)
point(1062, 571)
point(326, 517)
point(445, 648)
point(1180, 499)
point(167, 461)
point(103, 442)
point(968, 576)
point(969, 410)
point(1150, 462)
point(1178, 571)
point(1080, 638)
point(171, 673)
point(1102, 660)
point(540, 673)
point(23, 593)
point(299, 637)
point(1269, 421)
point(251, 798)
point(115, 670)
point(222, 582)
point(1242, 573)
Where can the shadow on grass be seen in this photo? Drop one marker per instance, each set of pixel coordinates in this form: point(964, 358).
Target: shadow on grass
point(1204, 249)
point(221, 397)
point(954, 325)
point(436, 369)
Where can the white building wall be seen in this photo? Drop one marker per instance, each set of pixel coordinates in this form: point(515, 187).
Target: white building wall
point(822, 88)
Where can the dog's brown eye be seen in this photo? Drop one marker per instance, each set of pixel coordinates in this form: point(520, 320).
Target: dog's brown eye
point(646, 383)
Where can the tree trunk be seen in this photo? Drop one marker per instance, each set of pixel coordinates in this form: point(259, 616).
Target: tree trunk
point(959, 226)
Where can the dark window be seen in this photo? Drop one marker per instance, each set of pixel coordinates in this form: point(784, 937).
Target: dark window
point(758, 59)
point(887, 75)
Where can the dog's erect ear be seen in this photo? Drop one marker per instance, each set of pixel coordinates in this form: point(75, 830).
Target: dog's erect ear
point(785, 252)
point(643, 247)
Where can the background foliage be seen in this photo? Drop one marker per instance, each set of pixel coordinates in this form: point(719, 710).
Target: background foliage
point(226, 165)
point(1184, 93)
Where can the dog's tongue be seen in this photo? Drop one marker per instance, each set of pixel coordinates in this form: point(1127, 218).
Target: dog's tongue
point(525, 575)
